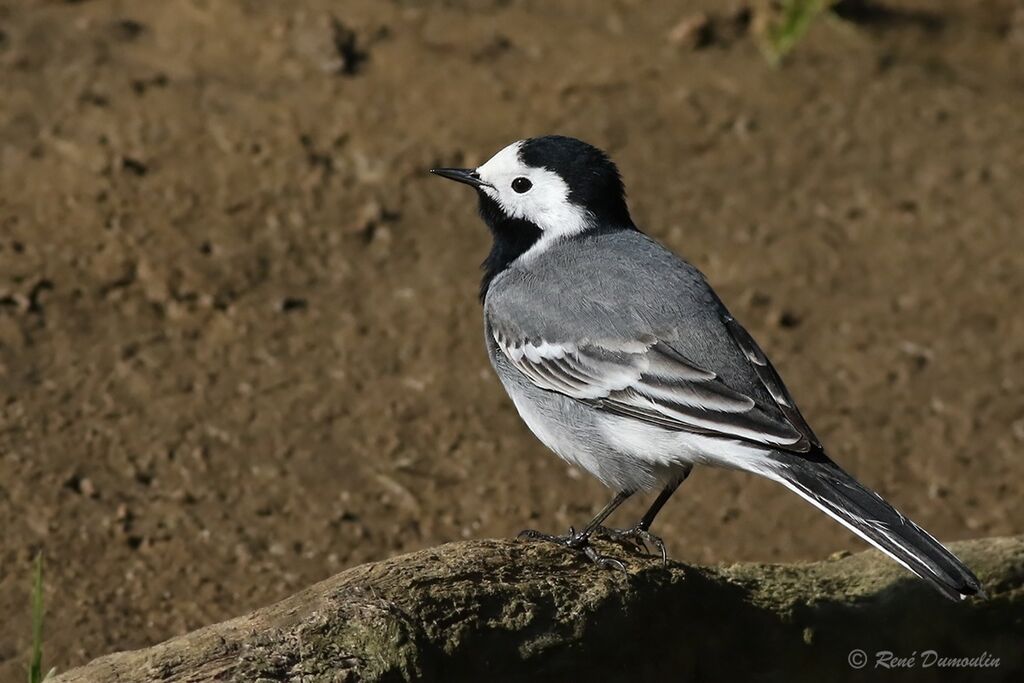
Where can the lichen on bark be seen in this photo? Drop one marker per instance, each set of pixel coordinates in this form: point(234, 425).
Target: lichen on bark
point(511, 611)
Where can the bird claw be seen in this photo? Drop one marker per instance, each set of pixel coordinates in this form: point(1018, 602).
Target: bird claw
point(637, 537)
point(576, 541)
point(603, 561)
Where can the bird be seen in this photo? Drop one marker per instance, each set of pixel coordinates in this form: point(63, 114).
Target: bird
point(621, 358)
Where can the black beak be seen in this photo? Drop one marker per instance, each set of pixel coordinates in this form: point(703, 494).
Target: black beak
point(467, 176)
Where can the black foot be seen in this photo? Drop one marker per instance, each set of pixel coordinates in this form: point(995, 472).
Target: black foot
point(637, 537)
point(576, 541)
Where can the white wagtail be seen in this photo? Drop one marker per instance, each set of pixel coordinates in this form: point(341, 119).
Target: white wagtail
point(620, 357)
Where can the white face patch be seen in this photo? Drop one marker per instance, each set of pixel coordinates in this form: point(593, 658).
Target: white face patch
point(546, 204)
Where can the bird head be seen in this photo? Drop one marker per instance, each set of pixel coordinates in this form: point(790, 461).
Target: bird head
point(542, 190)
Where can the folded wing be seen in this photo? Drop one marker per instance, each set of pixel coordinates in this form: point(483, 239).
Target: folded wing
point(648, 380)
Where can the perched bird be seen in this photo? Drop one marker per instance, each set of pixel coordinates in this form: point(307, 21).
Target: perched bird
point(621, 359)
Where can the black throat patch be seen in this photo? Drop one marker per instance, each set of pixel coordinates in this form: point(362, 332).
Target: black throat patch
point(512, 238)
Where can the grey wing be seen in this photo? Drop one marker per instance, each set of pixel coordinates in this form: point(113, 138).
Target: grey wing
point(648, 380)
point(770, 378)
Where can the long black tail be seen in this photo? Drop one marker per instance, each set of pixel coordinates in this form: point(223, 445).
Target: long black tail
point(826, 485)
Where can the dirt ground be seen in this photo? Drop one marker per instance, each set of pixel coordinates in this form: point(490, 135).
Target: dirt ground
point(240, 346)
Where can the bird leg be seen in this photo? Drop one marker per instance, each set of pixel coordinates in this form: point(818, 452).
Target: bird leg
point(580, 540)
point(639, 535)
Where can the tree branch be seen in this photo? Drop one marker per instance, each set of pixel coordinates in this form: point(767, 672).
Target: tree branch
point(508, 610)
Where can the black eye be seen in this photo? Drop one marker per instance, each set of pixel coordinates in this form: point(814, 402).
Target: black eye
point(521, 185)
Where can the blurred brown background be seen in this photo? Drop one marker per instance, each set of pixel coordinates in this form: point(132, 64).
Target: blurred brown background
point(240, 347)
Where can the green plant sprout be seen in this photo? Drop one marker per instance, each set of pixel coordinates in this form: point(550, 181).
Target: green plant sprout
point(35, 668)
point(781, 32)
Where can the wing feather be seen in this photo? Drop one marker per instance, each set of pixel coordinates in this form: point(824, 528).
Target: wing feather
point(771, 380)
point(651, 382)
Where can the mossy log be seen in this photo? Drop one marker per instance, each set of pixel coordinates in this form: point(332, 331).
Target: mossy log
point(504, 610)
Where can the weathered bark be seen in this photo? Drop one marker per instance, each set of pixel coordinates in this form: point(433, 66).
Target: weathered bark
point(505, 610)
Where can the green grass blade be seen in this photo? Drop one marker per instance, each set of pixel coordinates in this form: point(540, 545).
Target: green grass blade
point(35, 670)
point(786, 29)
